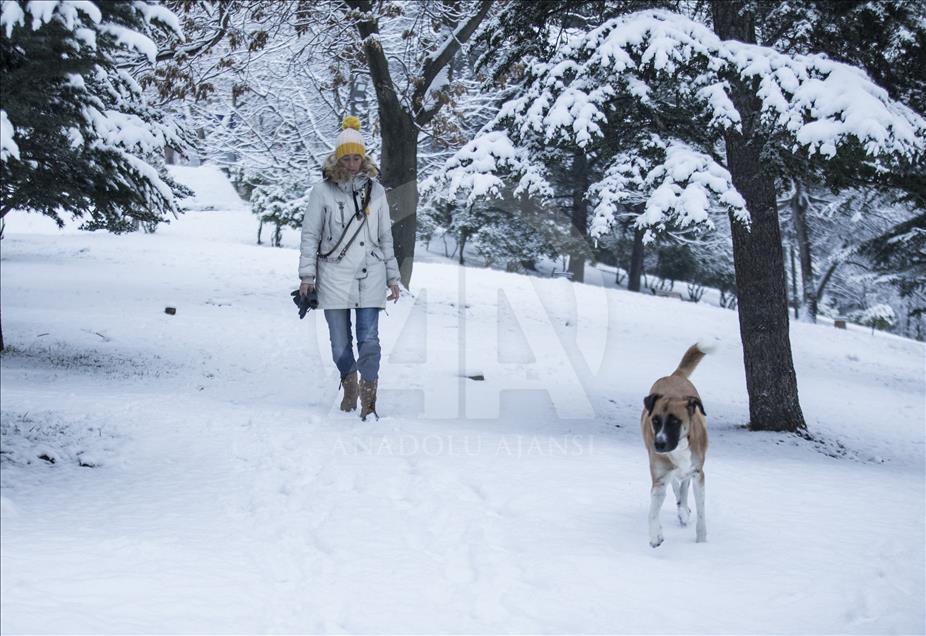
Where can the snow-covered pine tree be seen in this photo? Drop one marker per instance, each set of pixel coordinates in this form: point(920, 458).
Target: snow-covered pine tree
point(877, 317)
point(887, 39)
point(78, 137)
point(280, 207)
point(524, 30)
point(499, 201)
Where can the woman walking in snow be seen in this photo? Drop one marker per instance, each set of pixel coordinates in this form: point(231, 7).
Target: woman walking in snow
point(347, 257)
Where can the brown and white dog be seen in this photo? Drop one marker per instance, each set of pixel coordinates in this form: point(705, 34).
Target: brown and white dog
point(675, 433)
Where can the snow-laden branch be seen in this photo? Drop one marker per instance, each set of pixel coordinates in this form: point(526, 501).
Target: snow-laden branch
point(820, 103)
point(131, 39)
point(678, 185)
point(68, 12)
point(483, 167)
point(8, 147)
point(159, 13)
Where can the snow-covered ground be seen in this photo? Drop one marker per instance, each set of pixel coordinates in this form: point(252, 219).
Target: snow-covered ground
point(204, 481)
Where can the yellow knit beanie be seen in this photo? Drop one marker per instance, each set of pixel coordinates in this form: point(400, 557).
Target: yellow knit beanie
point(350, 141)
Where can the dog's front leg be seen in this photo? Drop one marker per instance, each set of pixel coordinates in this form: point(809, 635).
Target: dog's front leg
point(657, 496)
point(701, 527)
point(680, 487)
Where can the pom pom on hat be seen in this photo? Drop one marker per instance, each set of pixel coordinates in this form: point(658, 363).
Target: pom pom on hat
point(350, 141)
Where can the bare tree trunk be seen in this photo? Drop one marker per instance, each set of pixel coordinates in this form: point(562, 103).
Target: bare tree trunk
point(636, 262)
point(579, 216)
point(356, 96)
point(463, 236)
point(795, 300)
point(201, 135)
point(818, 294)
point(802, 233)
point(757, 255)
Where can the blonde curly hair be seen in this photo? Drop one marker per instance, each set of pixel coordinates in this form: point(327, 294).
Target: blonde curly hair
point(333, 170)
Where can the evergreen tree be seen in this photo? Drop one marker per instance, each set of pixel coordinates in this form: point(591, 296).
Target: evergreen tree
point(280, 207)
point(78, 136)
point(504, 212)
point(887, 39)
point(675, 263)
point(526, 31)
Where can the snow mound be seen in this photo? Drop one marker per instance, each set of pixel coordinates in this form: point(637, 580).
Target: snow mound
point(212, 189)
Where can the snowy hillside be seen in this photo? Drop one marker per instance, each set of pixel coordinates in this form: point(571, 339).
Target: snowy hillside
point(191, 472)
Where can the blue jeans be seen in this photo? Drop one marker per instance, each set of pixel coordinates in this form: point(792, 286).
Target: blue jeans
point(342, 345)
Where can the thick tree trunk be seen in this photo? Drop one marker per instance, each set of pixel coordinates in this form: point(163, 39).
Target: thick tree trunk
point(400, 178)
point(635, 272)
point(802, 233)
point(757, 255)
point(399, 155)
point(578, 216)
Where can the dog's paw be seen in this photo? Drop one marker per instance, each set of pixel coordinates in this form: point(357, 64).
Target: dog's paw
point(684, 514)
point(656, 541)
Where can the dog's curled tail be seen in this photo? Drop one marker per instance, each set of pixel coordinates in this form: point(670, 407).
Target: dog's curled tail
point(692, 357)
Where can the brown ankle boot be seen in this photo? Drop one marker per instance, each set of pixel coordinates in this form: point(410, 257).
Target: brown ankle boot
point(349, 383)
point(368, 398)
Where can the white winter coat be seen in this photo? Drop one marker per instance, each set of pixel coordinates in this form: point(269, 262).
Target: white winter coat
point(359, 279)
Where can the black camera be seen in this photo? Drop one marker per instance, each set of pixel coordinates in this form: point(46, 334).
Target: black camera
point(306, 302)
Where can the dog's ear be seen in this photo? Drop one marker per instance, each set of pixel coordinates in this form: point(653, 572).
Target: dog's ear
point(694, 403)
point(650, 401)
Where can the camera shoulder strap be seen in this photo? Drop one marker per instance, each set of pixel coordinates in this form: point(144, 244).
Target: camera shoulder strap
point(359, 214)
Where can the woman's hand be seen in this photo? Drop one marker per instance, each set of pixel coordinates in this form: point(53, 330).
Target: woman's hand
point(394, 293)
point(306, 288)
